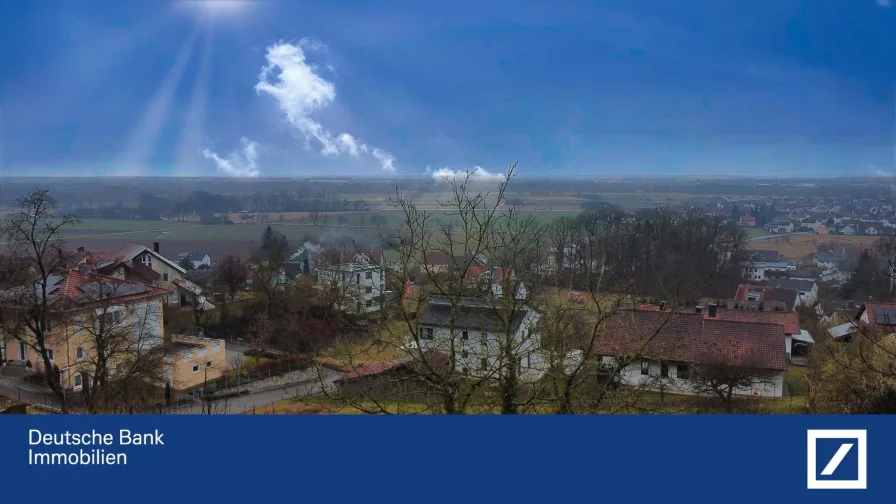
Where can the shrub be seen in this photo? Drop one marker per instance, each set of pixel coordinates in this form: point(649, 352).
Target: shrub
point(263, 354)
point(36, 379)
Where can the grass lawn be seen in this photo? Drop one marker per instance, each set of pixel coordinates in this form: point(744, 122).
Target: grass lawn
point(795, 378)
point(753, 232)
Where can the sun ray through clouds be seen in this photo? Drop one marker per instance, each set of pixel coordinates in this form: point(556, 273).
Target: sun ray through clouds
point(194, 129)
point(132, 162)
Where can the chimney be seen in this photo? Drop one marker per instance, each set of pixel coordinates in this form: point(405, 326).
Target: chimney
point(80, 249)
point(662, 306)
point(155, 247)
point(698, 310)
point(713, 309)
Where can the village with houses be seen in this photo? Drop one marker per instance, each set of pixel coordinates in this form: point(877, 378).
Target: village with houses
point(658, 310)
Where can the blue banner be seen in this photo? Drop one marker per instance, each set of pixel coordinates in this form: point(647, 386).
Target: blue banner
point(713, 458)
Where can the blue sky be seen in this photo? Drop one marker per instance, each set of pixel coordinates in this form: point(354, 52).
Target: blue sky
point(408, 87)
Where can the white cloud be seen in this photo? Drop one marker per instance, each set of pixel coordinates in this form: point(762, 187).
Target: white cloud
point(884, 3)
point(477, 173)
point(240, 163)
point(300, 92)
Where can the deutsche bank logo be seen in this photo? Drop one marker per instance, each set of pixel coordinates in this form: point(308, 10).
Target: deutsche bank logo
point(837, 459)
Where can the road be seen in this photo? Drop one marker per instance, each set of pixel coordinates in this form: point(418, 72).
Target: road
point(243, 404)
point(769, 237)
point(240, 404)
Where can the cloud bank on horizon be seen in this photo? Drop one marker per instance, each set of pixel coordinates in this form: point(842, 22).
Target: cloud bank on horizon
point(477, 174)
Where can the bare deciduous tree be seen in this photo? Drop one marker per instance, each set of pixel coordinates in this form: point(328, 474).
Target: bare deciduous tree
point(34, 234)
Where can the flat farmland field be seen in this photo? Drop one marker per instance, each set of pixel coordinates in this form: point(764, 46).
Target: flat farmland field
point(798, 247)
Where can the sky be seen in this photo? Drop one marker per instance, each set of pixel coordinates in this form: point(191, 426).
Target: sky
point(422, 88)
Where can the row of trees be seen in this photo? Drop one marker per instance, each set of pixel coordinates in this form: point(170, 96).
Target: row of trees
point(651, 251)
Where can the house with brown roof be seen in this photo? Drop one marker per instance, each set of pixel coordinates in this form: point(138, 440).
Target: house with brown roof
point(138, 263)
point(670, 347)
point(764, 295)
point(788, 320)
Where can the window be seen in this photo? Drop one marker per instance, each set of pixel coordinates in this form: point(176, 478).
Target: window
point(428, 333)
point(202, 352)
point(528, 360)
point(195, 368)
point(77, 381)
point(464, 354)
point(208, 364)
point(465, 335)
point(645, 368)
point(50, 353)
point(358, 307)
point(165, 277)
point(664, 370)
point(483, 364)
point(684, 372)
point(368, 289)
point(216, 348)
point(119, 369)
point(80, 353)
point(465, 370)
point(358, 278)
point(147, 260)
point(369, 303)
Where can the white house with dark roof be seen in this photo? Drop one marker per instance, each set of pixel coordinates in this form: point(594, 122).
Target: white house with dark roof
point(485, 337)
point(360, 274)
point(199, 259)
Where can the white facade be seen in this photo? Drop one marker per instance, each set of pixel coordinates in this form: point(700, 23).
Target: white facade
point(756, 271)
point(482, 354)
point(649, 374)
point(361, 280)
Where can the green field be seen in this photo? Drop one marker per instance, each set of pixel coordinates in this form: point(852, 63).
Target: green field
point(143, 231)
point(755, 232)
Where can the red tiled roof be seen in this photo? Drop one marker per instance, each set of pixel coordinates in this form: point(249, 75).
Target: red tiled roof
point(374, 368)
point(69, 289)
point(788, 320)
point(692, 338)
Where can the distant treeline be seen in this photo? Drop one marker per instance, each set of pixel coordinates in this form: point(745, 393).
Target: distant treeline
point(155, 207)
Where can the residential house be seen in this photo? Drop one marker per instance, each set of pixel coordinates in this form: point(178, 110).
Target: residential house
point(402, 379)
point(828, 260)
point(478, 330)
point(668, 349)
point(748, 221)
point(763, 295)
point(781, 227)
point(359, 274)
point(200, 260)
point(193, 360)
point(806, 288)
point(757, 271)
point(494, 280)
point(85, 305)
point(147, 266)
point(788, 320)
point(878, 317)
